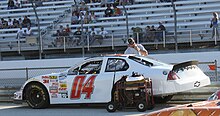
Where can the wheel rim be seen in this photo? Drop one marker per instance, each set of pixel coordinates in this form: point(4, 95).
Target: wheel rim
point(141, 106)
point(36, 96)
point(110, 107)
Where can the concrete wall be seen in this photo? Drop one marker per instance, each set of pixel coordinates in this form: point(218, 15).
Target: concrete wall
point(67, 62)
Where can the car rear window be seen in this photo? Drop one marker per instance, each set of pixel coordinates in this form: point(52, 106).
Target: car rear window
point(148, 61)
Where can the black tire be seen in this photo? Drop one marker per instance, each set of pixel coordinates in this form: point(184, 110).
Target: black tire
point(111, 107)
point(164, 99)
point(141, 106)
point(37, 96)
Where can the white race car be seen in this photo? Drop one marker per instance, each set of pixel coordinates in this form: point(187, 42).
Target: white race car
point(93, 80)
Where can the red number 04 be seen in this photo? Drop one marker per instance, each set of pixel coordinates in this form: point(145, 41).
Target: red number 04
point(79, 87)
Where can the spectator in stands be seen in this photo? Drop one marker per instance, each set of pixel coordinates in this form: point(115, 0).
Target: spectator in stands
point(103, 3)
point(20, 21)
point(122, 1)
point(68, 29)
point(137, 33)
point(152, 33)
point(214, 25)
point(26, 22)
point(147, 34)
point(134, 48)
point(75, 17)
point(17, 4)
point(20, 33)
point(93, 34)
point(131, 1)
point(4, 23)
point(77, 35)
point(61, 29)
point(25, 33)
point(1, 25)
point(11, 4)
point(117, 11)
point(16, 23)
point(83, 6)
point(160, 30)
point(29, 31)
point(108, 11)
point(103, 35)
point(10, 23)
point(58, 40)
point(93, 18)
point(38, 3)
point(87, 17)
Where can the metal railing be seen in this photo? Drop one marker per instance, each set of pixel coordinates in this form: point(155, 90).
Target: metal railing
point(115, 39)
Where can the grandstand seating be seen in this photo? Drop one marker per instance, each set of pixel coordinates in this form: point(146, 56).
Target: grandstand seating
point(193, 19)
point(48, 13)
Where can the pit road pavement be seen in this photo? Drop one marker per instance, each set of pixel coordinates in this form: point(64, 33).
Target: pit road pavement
point(10, 109)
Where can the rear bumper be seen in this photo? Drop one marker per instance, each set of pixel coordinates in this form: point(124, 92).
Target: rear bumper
point(172, 87)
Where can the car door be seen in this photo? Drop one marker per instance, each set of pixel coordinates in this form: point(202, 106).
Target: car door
point(88, 83)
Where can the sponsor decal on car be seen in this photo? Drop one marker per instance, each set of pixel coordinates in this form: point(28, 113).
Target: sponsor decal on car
point(63, 85)
point(45, 81)
point(54, 95)
point(45, 77)
point(64, 95)
point(53, 77)
point(53, 89)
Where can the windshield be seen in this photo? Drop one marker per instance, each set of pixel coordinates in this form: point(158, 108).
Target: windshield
point(148, 61)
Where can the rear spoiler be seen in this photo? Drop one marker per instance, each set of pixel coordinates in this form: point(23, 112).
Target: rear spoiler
point(184, 64)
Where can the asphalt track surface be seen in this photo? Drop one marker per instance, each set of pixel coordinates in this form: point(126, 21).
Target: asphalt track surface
point(10, 109)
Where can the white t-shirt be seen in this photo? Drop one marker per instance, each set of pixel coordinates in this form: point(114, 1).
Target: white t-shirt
point(131, 50)
point(103, 33)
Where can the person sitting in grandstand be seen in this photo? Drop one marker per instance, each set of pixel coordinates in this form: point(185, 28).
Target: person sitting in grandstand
point(10, 23)
point(58, 40)
point(68, 29)
point(15, 23)
point(11, 4)
point(26, 22)
point(83, 6)
point(17, 4)
point(102, 35)
point(117, 11)
point(77, 35)
point(92, 35)
point(87, 17)
point(108, 11)
point(75, 17)
point(20, 22)
point(1, 25)
point(93, 18)
point(4, 23)
point(29, 31)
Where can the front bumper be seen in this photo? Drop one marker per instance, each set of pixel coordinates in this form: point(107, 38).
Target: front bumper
point(17, 99)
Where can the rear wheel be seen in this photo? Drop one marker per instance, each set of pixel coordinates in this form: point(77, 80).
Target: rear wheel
point(163, 99)
point(37, 96)
point(141, 106)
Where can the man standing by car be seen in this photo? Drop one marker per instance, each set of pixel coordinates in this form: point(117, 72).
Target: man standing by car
point(134, 48)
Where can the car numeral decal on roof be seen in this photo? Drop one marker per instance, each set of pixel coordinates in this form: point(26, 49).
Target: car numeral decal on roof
point(79, 87)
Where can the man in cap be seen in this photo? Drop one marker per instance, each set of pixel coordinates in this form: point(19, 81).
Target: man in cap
point(134, 48)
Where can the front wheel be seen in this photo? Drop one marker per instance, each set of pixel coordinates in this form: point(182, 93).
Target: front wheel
point(37, 96)
point(111, 107)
